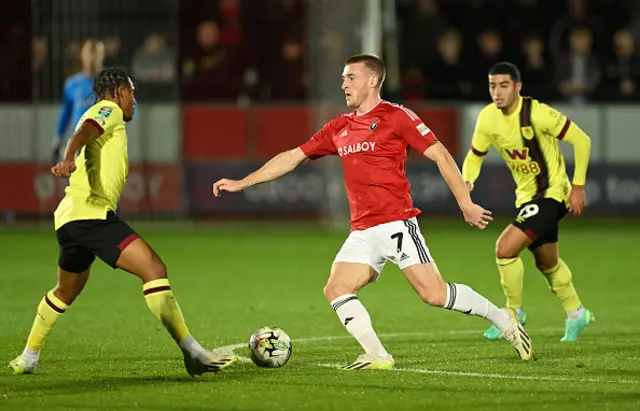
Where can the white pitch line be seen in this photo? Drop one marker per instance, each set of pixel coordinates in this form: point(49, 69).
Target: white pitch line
point(229, 349)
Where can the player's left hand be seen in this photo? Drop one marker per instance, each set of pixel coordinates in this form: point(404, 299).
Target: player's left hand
point(578, 200)
point(63, 169)
point(225, 184)
point(477, 216)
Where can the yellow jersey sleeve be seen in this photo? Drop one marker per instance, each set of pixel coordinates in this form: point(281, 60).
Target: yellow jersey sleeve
point(480, 145)
point(550, 120)
point(559, 126)
point(481, 141)
point(105, 116)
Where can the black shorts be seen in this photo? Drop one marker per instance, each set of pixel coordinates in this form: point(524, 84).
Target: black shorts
point(539, 220)
point(82, 240)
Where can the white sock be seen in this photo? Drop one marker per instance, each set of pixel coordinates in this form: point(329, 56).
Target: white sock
point(356, 319)
point(31, 353)
point(575, 314)
point(191, 346)
point(462, 298)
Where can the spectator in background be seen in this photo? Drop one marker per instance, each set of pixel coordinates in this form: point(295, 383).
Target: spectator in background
point(40, 68)
point(16, 82)
point(268, 25)
point(535, 69)
point(154, 62)
point(623, 71)
point(213, 71)
point(38, 55)
point(490, 52)
point(71, 64)
point(229, 20)
point(413, 83)
point(578, 17)
point(634, 21)
point(446, 75)
point(521, 14)
point(287, 74)
point(112, 46)
point(470, 16)
point(578, 71)
point(421, 32)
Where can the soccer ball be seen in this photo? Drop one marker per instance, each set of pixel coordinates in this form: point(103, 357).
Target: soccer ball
point(270, 347)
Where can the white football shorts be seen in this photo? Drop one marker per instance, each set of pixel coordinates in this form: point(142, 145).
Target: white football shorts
point(398, 241)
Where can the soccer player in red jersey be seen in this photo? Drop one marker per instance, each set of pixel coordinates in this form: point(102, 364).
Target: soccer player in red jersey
point(373, 142)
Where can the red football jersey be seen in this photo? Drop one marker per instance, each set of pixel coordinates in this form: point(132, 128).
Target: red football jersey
point(374, 148)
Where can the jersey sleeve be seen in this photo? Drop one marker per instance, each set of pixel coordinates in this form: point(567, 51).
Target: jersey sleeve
point(550, 120)
point(481, 141)
point(412, 129)
point(321, 143)
point(104, 117)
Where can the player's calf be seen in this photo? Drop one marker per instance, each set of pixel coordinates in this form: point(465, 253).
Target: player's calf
point(346, 279)
point(70, 284)
point(140, 259)
point(432, 292)
point(510, 244)
point(462, 298)
point(49, 311)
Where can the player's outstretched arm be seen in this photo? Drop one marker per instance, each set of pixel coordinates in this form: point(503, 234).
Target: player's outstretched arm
point(473, 213)
point(87, 132)
point(581, 152)
point(471, 168)
point(278, 166)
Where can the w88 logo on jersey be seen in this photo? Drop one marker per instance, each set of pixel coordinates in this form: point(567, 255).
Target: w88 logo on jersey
point(530, 167)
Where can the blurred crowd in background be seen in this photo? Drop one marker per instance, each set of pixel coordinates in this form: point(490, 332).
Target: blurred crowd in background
point(255, 50)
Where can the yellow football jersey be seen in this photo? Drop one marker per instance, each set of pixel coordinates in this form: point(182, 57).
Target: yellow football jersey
point(101, 168)
point(530, 150)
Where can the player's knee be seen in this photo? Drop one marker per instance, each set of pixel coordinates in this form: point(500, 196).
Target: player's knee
point(335, 290)
point(66, 294)
point(157, 270)
point(330, 292)
point(504, 249)
point(545, 265)
point(432, 295)
point(545, 261)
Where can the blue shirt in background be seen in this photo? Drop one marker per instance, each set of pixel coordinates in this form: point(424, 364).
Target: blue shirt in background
point(76, 99)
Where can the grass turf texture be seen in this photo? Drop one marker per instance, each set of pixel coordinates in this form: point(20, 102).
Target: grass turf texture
point(109, 353)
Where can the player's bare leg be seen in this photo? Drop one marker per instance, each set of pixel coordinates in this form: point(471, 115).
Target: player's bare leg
point(140, 259)
point(559, 278)
point(345, 281)
point(50, 309)
point(509, 246)
point(432, 289)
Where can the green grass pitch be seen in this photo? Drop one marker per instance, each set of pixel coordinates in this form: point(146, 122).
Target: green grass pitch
point(109, 353)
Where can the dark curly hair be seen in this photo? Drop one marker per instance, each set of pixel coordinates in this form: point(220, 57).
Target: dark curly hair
point(108, 81)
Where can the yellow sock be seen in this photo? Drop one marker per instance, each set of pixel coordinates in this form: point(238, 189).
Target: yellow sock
point(163, 304)
point(559, 279)
point(49, 310)
point(511, 276)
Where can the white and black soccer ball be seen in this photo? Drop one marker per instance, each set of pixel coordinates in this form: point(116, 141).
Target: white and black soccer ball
point(270, 347)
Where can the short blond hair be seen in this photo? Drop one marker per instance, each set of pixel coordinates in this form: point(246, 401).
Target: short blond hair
point(372, 62)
